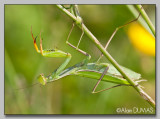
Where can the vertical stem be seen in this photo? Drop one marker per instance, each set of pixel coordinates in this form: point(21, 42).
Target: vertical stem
point(146, 18)
point(135, 13)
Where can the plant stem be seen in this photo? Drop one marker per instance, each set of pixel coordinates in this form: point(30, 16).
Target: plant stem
point(110, 58)
point(146, 18)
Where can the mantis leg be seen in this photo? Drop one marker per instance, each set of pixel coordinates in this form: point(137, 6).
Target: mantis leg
point(107, 88)
point(113, 34)
point(76, 47)
point(105, 71)
point(51, 53)
point(67, 7)
point(114, 87)
point(80, 37)
point(115, 31)
point(79, 22)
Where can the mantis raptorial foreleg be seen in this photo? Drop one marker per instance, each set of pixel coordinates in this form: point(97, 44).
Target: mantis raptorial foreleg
point(51, 53)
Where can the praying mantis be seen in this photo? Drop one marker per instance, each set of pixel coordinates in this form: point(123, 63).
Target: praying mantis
point(101, 71)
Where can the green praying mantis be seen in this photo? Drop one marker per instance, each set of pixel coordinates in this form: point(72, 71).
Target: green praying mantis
point(101, 71)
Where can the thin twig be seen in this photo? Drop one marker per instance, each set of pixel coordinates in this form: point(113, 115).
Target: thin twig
point(146, 18)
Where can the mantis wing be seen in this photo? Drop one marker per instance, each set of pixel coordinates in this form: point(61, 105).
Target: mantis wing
point(133, 75)
point(95, 71)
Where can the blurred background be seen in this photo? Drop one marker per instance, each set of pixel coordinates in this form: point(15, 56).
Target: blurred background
point(72, 94)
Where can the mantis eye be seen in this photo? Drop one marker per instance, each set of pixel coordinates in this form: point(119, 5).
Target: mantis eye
point(42, 79)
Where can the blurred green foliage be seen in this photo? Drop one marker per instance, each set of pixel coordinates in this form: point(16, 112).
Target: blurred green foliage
point(72, 94)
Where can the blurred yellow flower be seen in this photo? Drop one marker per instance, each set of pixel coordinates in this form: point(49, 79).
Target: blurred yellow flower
point(142, 39)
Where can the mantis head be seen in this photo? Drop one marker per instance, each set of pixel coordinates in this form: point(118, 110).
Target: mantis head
point(42, 80)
